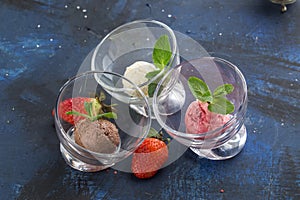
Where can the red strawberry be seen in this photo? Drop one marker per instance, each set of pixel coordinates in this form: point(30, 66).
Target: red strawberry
point(75, 104)
point(149, 157)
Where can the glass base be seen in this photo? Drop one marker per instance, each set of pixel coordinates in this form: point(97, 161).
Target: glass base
point(78, 164)
point(172, 101)
point(283, 2)
point(228, 150)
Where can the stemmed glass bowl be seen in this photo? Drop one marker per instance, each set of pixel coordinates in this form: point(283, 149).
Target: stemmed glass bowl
point(132, 126)
point(223, 142)
point(130, 43)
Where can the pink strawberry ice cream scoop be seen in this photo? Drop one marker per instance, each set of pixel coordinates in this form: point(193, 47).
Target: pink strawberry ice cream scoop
point(198, 119)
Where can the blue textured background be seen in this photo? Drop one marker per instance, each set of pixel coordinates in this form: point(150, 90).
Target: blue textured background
point(43, 43)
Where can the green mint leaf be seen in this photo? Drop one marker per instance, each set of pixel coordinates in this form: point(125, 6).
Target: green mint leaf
point(162, 52)
point(152, 74)
point(221, 105)
point(109, 115)
point(199, 89)
point(223, 90)
point(151, 89)
point(73, 112)
point(152, 133)
point(161, 57)
point(88, 107)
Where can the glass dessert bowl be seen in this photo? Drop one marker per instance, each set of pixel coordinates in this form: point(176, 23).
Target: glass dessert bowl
point(95, 129)
point(283, 3)
point(211, 121)
point(141, 51)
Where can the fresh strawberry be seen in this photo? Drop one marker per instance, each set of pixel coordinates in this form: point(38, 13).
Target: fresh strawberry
point(77, 104)
point(149, 157)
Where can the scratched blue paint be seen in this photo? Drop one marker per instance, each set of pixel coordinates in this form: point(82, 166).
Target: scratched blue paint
point(267, 89)
point(25, 44)
point(202, 175)
point(117, 9)
point(15, 53)
point(29, 44)
point(292, 55)
point(17, 188)
point(11, 73)
point(48, 2)
point(249, 36)
point(30, 96)
point(43, 44)
point(100, 194)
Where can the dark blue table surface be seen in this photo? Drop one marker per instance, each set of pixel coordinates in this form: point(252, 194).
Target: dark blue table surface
point(43, 43)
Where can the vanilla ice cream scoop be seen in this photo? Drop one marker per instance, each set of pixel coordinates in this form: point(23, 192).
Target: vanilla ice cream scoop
point(137, 74)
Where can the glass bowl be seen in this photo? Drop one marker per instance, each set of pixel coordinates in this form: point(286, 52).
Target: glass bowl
point(130, 43)
point(225, 140)
point(132, 127)
point(283, 3)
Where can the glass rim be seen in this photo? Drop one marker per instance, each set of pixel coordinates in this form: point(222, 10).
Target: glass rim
point(211, 132)
point(72, 142)
point(283, 1)
point(150, 21)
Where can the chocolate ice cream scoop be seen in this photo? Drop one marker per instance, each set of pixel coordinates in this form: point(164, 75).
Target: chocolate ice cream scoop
point(100, 136)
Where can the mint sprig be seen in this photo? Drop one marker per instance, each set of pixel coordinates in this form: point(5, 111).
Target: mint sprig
point(223, 90)
point(218, 103)
point(95, 109)
point(109, 115)
point(161, 57)
point(199, 89)
point(152, 74)
point(162, 52)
